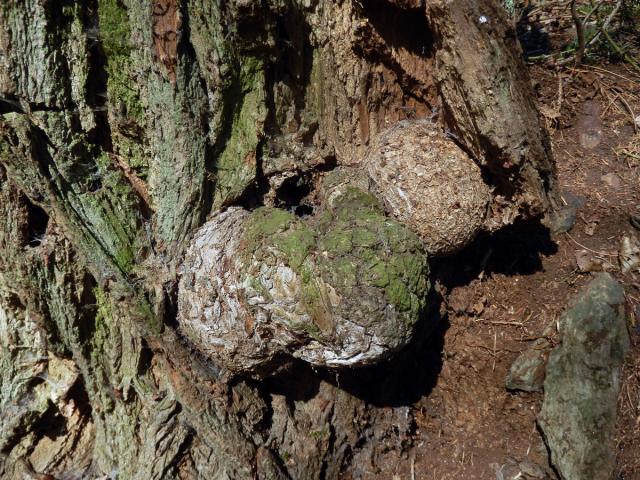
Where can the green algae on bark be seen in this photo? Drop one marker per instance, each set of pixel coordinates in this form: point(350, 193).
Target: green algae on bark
point(236, 165)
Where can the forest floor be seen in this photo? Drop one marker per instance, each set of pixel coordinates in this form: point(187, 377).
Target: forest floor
point(507, 290)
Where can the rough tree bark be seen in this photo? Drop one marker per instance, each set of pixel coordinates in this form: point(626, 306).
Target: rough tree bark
point(127, 125)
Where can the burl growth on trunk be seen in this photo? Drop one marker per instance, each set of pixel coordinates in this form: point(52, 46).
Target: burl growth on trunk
point(345, 286)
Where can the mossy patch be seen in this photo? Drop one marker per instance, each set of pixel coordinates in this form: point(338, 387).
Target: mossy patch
point(123, 93)
point(337, 242)
point(115, 36)
point(236, 166)
point(267, 221)
point(133, 150)
point(365, 249)
point(296, 245)
point(349, 258)
point(103, 212)
point(103, 322)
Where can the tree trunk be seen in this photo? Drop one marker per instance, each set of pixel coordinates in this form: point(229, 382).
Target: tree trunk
point(127, 125)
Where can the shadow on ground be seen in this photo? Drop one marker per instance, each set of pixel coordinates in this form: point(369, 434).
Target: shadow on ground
point(413, 372)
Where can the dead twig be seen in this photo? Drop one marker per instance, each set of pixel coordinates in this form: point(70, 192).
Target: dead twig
point(623, 53)
point(630, 110)
point(615, 74)
point(583, 43)
point(589, 249)
point(499, 322)
point(579, 33)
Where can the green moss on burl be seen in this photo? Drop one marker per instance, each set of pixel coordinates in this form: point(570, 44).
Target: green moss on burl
point(365, 245)
point(296, 245)
point(348, 258)
point(265, 222)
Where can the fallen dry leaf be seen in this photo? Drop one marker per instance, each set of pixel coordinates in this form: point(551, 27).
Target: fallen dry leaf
point(612, 180)
point(590, 229)
point(587, 262)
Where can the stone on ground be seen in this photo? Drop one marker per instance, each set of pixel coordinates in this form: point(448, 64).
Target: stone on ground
point(582, 382)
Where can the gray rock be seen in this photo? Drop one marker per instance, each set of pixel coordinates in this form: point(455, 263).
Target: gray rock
point(531, 470)
point(582, 382)
point(562, 220)
point(528, 370)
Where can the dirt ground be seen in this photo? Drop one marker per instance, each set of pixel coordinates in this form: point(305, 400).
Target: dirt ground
point(504, 292)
